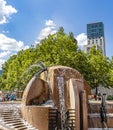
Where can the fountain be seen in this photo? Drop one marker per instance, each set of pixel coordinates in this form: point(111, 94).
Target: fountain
point(57, 100)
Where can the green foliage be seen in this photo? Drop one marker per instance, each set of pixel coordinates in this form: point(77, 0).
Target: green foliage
point(100, 69)
point(110, 97)
point(14, 68)
point(57, 49)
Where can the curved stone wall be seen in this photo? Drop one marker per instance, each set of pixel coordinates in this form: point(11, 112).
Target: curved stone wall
point(40, 90)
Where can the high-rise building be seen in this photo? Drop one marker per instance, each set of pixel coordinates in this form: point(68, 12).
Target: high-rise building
point(95, 37)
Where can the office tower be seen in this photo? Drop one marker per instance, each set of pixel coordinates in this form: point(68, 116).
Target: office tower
point(95, 37)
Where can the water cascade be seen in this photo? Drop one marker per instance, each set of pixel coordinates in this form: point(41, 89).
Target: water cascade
point(62, 107)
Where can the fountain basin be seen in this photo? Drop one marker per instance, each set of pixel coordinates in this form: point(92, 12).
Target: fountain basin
point(68, 91)
point(37, 116)
point(94, 118)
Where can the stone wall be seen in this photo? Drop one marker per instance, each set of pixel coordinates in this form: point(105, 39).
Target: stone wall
point(108, 91)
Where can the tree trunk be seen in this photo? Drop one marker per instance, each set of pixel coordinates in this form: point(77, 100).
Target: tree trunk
point(96, 93)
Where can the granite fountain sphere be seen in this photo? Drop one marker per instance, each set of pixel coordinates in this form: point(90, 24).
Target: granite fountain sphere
point(57, 100)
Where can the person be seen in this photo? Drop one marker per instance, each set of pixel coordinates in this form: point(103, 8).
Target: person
point(99, 96)
point(6, 97)
point(12, 97)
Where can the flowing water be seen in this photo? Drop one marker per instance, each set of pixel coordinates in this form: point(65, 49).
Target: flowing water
point(11, 119)
point(26, 75)
point(62, 102)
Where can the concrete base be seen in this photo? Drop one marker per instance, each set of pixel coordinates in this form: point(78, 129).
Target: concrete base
point(37, 116)
point(94, 119)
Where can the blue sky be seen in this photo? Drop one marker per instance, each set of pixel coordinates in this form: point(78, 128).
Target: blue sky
point(26, 22)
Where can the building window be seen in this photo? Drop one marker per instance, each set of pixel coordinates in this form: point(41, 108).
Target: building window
point(100, 25)
point(100, 41)
point(88, 42)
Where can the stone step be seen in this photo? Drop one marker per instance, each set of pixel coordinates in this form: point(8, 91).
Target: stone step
point(98, 115)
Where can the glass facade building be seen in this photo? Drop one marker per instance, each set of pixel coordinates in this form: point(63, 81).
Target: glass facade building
point(95, 37)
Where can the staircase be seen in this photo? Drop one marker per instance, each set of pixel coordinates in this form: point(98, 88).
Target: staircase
point(11, 119)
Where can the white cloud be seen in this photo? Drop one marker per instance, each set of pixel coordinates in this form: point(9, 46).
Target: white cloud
point(1, 62)
point(5, 11)
point(4, 54)
point(82, 39)
point(48, 29)
point(8, 47)
point(50, 23)
point(5, 32)
point(10, 44)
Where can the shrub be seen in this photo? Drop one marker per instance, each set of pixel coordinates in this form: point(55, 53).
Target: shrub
point(110, 97)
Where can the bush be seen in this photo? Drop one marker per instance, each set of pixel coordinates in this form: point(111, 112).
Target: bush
point(110, 97)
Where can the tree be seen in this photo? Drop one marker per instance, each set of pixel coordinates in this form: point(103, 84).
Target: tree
point(100, 69)
point(57, 49)
point(111, 71)
point(15, 66)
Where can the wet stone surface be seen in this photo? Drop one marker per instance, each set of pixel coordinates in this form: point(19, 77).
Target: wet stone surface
point(10, 117)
